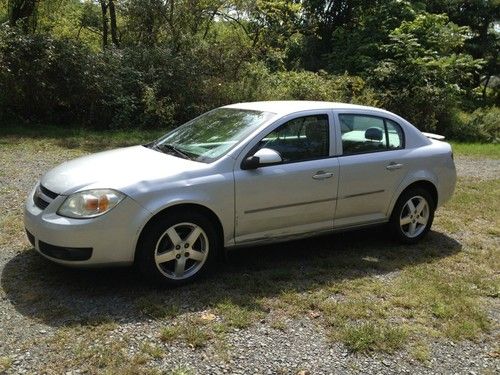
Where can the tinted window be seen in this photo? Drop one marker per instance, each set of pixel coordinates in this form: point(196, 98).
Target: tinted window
point(361, 134)
point(303, 138)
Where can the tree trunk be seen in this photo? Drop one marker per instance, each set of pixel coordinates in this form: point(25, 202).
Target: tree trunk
point(112, 17)
point(23, 12)
point(104, 10)
point(485, 89)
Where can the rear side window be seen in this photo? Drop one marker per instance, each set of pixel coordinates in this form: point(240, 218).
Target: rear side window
point(362, 134)
point(395, 135)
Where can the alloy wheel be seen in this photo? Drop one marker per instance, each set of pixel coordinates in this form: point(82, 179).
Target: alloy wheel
point(414, 216)
point(181, 251)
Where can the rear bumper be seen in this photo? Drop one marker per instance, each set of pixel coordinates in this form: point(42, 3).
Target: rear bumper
point(447, 182)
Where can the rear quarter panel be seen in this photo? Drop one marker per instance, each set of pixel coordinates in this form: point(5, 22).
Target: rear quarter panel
point(433, 163)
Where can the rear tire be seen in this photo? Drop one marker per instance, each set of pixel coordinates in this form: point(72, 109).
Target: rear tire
point(178, 248)
point(412, 215)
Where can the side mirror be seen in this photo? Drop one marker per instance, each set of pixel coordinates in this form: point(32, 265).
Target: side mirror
point(265, 156)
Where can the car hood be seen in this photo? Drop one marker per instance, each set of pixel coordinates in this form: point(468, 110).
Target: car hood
point(122, 169)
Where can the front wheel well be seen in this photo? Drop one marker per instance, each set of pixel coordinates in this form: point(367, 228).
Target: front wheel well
point(427, 185)
point(190, 207)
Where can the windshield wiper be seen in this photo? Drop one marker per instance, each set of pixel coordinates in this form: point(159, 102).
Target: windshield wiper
point(168, 148)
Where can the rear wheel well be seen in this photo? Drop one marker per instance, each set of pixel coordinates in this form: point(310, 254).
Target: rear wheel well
point(191, 207)
point(427, 185)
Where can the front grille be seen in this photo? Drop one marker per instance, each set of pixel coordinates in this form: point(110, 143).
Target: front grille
point(39, 202)
point(65, 253)
point(43, 197)
point(48, 193)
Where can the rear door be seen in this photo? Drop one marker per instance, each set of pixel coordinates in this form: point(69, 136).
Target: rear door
point(372, 165)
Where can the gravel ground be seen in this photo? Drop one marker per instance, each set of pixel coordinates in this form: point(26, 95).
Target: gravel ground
point(30, 333)
point(484, 169)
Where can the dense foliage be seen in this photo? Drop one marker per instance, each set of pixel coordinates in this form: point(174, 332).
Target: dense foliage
point(156, 63)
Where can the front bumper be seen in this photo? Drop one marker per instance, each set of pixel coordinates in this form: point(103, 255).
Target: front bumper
point(109, 239)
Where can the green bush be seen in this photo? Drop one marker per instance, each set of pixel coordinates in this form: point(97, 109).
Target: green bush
point(482, 125)
point(61, 81)
point(258, 83)
point(42, 78)
point(485, 123)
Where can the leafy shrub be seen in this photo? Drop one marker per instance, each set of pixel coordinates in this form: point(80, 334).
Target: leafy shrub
point(61, 81)
point(258, 83)
point(487, 123)
point(482, 125)
point(43, 79)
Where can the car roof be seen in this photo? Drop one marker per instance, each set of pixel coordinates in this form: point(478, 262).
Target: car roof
point(283, 107)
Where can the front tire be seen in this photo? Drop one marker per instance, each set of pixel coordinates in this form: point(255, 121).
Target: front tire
point(178, 248)
point(413, 215)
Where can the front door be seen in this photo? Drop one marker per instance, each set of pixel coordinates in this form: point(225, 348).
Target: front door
point(294, 197)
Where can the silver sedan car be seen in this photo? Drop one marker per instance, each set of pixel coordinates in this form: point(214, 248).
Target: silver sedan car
point(239, 175)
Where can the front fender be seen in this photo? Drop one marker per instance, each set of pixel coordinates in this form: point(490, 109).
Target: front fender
point(215, 193)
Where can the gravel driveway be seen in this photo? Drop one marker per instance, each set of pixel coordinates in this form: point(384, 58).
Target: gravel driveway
point(39, 337)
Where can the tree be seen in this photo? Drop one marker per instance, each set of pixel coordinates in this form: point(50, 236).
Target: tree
point(112, 18)
point(479, 16)
point(23, 13)
point(107, 22)
point(424, 73)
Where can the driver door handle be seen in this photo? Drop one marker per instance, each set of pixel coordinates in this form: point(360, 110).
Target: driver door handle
point(393, 166)
point(321, 175)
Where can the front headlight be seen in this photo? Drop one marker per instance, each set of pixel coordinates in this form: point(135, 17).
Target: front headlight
point(90, 203)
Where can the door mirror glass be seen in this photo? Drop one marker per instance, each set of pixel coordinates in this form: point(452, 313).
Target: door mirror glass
point(264, 156)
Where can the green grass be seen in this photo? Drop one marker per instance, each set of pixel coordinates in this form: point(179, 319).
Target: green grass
point(235, 315)
point(487, 150)
point(373, 336)
point(151, 306)
point(5, 363)
point(153, 351)
point(191, 331)
point(182, 370)
point(78, 137)
point(420, 352)
point(93, 140)
point(278, 324)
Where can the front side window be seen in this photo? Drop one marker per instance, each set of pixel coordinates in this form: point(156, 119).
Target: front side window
point(213, 134)
point(362, 134)
point(303, 138)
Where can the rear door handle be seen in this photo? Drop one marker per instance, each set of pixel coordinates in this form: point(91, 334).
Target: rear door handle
point(393, 166)
point(321, 175)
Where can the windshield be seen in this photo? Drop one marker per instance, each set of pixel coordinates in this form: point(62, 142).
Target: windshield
point(211, 135)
